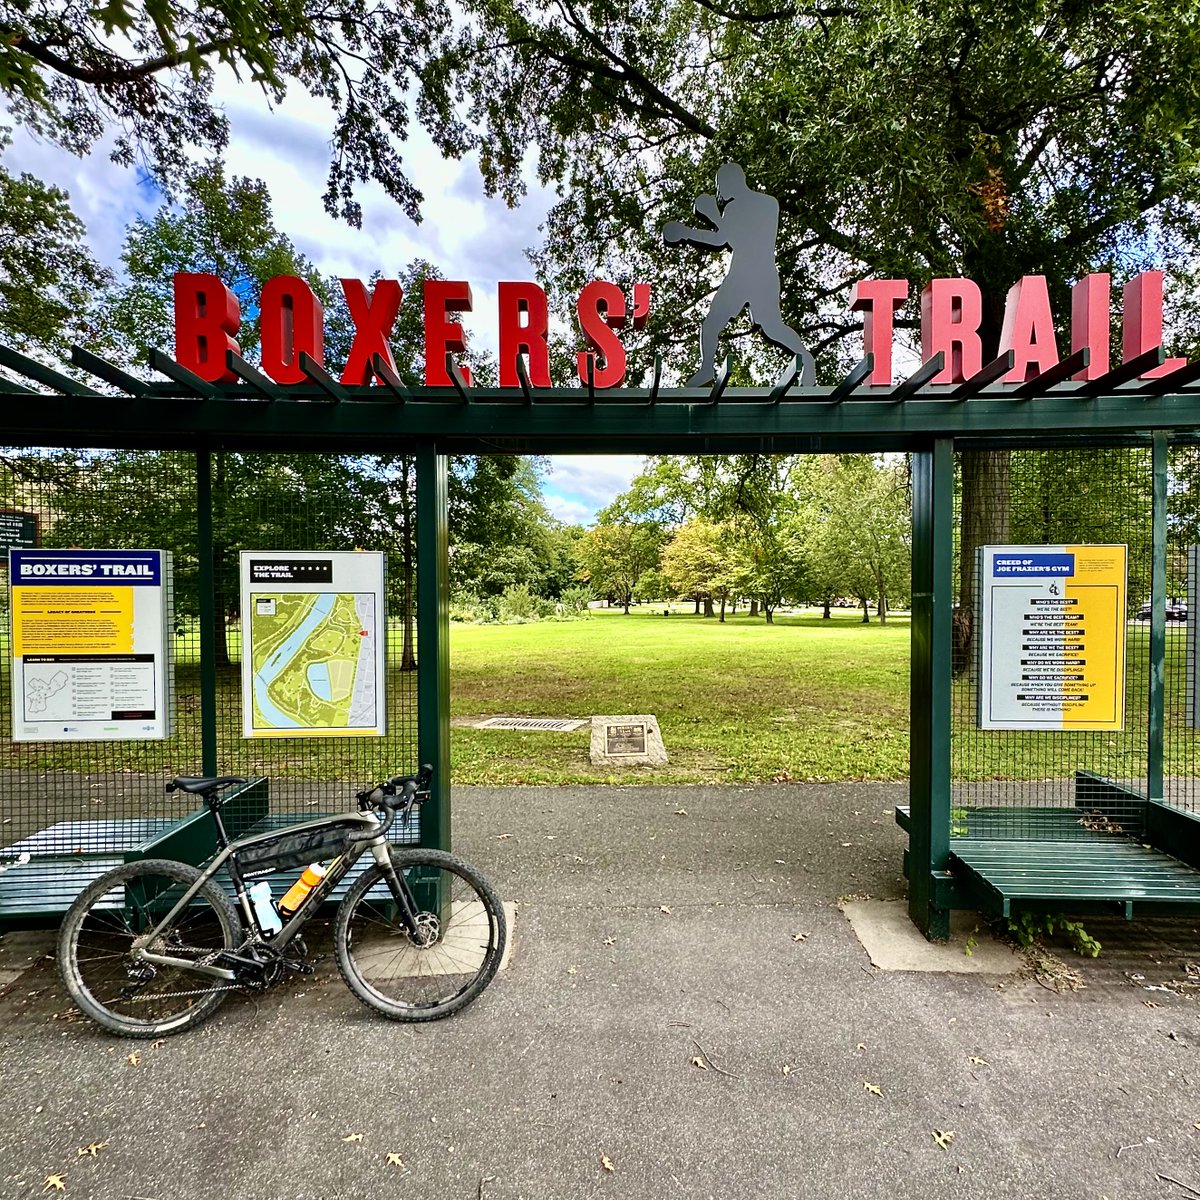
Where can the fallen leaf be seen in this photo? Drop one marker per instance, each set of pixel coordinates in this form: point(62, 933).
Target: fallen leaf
point(606, 1163)
point(861, 1046)
point(787, 1069)
point(665, 908)
point(572, 970)
point(699, 1062)
point(943, 1137)
point(54, 1182)
point(681, 812)
point(394, 1160)
point(156, 1045)
point(975, 1060)
point(610, 941)
point(873, 1088)
point(353, 1137)
point(90, 1151)
point(799, 937)
point(503, 837)
point(134, 1059)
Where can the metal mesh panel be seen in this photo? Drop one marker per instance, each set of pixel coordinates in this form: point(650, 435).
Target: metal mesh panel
point(1182, 714)
point(100, 797)
point(1011, 784)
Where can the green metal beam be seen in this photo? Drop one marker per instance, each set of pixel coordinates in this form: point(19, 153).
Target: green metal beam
point(208, 615)
point(929, 686)
point(1158, 619)
point(616, 422)
point(433, 642)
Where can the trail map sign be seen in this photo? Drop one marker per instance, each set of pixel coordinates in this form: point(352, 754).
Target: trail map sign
point(314, 630)
point(90, 644)
point(1053, 644)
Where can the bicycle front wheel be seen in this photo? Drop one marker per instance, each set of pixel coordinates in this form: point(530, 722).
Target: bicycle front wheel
point(453, 955)
point(125, 994)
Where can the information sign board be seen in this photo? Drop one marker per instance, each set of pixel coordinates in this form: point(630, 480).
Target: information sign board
point(1052, 646)
point(18, 528)
point(90, 644)
point(314, 634)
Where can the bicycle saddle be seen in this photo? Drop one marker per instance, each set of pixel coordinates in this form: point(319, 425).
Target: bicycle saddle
point(199, 785)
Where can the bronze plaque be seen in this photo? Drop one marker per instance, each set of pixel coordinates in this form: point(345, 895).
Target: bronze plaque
point(624, 739)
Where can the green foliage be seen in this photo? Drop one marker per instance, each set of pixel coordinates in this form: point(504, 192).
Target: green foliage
point(575, 601)
point(48, 276)
point(145, 69)
point(1027, 927)
point(615, 554)
point(958, 822)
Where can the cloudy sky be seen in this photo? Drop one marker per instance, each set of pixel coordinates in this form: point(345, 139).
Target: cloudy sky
point(466, 234)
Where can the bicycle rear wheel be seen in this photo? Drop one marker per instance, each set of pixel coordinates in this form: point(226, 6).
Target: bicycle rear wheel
point(124, 994)
point(457, 950)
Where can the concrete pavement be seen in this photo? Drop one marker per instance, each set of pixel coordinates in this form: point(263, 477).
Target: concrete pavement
point(656, 930)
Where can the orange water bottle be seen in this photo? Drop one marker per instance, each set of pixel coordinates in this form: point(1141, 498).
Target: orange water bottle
point(295, 895)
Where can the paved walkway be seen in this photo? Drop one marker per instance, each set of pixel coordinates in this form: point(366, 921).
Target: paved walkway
point(655, 927)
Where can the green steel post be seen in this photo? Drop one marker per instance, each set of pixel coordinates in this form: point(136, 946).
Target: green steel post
point(1158, 620)
point(930, 681)
point(433, 642)
point(208, 615)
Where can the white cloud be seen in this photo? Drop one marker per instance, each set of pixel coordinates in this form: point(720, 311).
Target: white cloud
point(580, 484)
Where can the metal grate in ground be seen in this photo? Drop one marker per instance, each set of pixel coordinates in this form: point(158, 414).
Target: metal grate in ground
point(543, 724)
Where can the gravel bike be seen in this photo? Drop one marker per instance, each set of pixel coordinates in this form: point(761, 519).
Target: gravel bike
point(155, 946)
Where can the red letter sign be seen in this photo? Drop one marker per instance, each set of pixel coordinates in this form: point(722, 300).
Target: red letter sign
point(878, 300)
point(292, 320)
point(442, 297)
point(528, 300)
point(1089, 322)
point(1028, 329)
point(1141, 321)
point(206, 318)
point(951, 311)
point(601, 309)
point(374, 317)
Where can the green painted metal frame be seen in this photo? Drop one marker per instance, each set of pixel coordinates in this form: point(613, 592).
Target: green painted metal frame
point(433, 642)
point(930, 422)
point(1158, 619)
point(929, 688)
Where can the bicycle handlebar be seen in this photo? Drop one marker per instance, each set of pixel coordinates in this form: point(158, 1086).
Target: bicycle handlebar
point(384, 798)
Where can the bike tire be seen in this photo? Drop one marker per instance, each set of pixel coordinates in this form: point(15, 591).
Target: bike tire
point(477, 929)
point(92, 924)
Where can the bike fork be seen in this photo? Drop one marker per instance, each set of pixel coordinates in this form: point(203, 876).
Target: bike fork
point(403, 897)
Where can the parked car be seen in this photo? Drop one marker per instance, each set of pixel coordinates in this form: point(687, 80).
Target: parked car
point(1176, 611)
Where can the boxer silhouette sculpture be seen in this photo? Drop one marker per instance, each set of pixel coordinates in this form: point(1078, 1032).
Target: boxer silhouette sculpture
point(746, 222)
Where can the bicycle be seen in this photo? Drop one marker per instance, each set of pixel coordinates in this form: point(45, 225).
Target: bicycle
point(155, 946)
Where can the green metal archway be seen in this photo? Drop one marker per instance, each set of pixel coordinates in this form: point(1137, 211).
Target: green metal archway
point(929, 422)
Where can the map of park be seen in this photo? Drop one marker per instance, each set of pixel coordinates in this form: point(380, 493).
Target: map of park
point(313, 660)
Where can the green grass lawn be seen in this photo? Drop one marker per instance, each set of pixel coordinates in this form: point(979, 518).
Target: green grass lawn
point(803, 699)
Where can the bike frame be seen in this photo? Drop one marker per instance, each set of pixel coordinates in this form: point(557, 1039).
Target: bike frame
point(226, 857)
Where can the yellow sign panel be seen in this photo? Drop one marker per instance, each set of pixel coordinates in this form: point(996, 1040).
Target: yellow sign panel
point(1053, 639)
point(75, 620)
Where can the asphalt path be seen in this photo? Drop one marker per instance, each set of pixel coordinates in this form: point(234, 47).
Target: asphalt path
point(661, 1015)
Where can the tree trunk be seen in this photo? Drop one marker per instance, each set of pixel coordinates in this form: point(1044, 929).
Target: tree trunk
point(881, 601)
point(221, 606)
point(722, 610)
point(826, 614)
point(408, 655)
point(708, 607)
point(754, 608)
point(986, 481)
point(697, 600)
point(866, 610)
point(984, 521)
point(628, 600)
point(770, 614)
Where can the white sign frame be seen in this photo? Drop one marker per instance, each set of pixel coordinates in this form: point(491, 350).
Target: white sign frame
point(349, 589)
point(91, 632)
